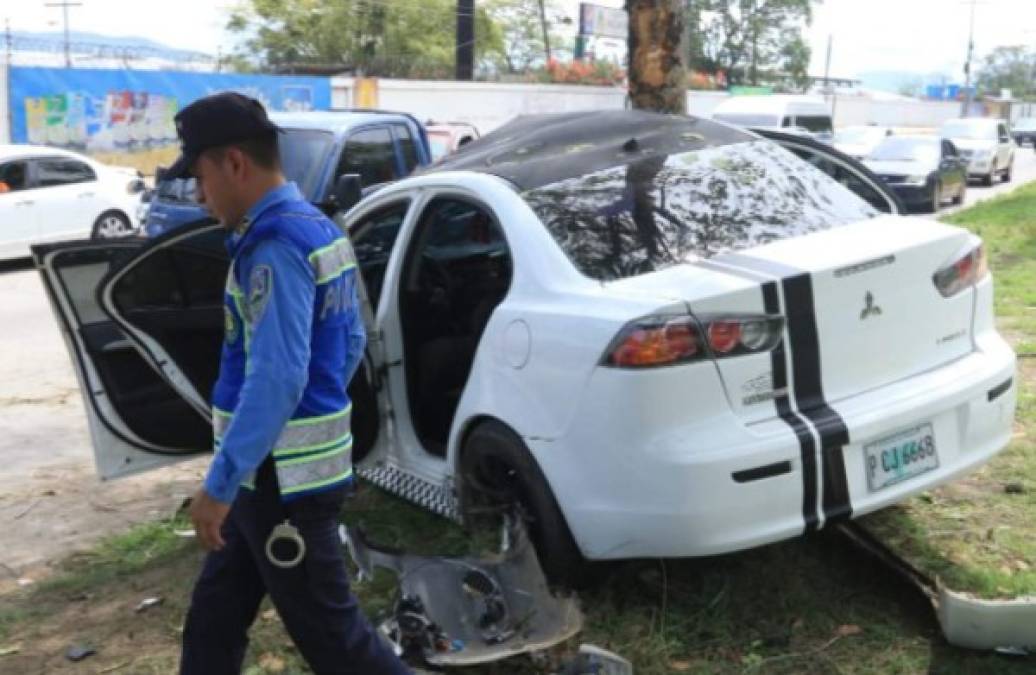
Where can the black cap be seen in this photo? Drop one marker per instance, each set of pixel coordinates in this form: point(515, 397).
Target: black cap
point(214, 121)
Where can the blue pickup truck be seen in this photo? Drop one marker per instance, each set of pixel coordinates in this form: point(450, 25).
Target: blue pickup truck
point(317, 148)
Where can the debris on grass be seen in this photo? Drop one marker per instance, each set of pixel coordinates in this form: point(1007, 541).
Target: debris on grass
point(79, 652)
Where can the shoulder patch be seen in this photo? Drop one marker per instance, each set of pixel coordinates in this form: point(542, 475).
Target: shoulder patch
point(260, 286)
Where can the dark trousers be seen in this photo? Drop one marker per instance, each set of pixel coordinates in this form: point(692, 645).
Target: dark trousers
point(313, 598)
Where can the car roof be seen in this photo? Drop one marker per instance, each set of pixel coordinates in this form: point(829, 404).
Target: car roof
point(15, 150)
point(536, 150)
point(337, 122)
point(772, 104)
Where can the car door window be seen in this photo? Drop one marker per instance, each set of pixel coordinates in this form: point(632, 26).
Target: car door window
point(1002, 131)
point(373, 238)
point(52, 172)
point(14, 176)
point(370, 154)
point(406, 146)
point(948, 149)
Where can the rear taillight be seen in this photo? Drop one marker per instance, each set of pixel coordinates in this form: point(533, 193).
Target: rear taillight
point(664, 340)
point(968, 268)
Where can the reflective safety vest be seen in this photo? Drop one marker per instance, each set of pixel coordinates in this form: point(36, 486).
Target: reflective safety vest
point(313, 451)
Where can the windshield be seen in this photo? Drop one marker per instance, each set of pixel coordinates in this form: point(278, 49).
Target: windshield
point(664, 210)
point(972, 130)
point(859, 135)
point(901, 148)
point(303, 156)
point(439, 144)
point(749, 119)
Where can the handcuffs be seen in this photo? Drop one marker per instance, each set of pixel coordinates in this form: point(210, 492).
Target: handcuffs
point(288, 532)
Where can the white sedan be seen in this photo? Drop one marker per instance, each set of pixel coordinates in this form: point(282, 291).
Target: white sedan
point(658, 335)
point(47, 194)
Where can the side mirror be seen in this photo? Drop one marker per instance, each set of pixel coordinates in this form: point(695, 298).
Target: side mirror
point(347, 191)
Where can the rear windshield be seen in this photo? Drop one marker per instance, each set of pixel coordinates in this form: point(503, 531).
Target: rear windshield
point(906, 149)
point(664, 210)
point(814, 123)
point(973, 130)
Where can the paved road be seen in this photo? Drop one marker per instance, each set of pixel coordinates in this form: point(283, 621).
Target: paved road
point(51, 502)
point(1024, 172)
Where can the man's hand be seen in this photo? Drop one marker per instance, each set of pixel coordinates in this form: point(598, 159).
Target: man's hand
point(208, 515)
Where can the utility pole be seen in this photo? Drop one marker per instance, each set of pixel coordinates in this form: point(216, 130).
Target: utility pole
point(465, 69)
point(546, 33)
point(968, 96)
point(657, 79)
point(64, 5)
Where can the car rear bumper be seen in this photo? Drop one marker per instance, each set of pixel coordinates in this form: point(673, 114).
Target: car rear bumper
point(913, 195)
point(719, 485)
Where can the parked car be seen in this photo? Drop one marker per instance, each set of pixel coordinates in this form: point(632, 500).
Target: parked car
point(985, 143)
point(661, 336)
point(316, 149)
point(1024, 131)
point(805, 114)
point(925, 171)
point(47, 194)
point(860, 141)
point(445, 138)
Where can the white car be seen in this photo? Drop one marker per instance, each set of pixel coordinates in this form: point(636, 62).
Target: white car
point(985, 143)
point(47, 194)
point(659, 335)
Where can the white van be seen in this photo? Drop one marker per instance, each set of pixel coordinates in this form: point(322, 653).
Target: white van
point(805, 114)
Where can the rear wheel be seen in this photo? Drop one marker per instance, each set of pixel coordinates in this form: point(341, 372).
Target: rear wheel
point(987, 180)
point(1006, 177)
point(498, 474)
point(111, 225)
point(936, 198)
point(961, 193)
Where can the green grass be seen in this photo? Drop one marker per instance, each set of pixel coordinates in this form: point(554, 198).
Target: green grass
point(973, 534)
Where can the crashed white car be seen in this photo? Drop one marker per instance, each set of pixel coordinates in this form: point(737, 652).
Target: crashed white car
point(658, 335)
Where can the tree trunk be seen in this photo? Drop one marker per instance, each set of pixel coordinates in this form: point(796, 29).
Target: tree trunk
point(657, 79)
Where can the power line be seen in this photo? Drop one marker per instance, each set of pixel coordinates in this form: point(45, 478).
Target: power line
point(64, 5)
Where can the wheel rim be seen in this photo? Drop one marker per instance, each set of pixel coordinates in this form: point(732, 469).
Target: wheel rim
point(111, 227)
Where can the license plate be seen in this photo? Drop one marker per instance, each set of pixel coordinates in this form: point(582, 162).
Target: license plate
point(900, 457)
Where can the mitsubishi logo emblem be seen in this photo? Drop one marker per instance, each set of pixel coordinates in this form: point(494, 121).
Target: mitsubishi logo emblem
point(869, 308)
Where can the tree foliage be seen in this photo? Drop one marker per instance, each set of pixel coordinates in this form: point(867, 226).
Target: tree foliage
point(749, 40)
point(1011, 68)
point(520, 26)
point(389, 38)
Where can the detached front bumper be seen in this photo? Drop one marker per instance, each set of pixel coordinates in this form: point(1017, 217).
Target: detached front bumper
point(630, 488)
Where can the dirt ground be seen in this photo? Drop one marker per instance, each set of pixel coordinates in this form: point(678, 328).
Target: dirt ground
point(51, 502)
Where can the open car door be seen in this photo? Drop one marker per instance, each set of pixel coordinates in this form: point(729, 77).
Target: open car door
point(143, 323)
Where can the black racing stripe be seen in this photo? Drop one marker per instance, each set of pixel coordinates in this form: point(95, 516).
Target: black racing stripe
point(807, 446)
point(809, 395)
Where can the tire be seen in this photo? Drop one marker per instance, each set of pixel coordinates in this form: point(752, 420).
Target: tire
point(498, 472)
point(958, 200)
point(936, 200)
point(1006, 177)
point(111, 225)
point(987, 180)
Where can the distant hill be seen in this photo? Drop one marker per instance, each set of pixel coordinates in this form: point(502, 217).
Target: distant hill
point(54, 41)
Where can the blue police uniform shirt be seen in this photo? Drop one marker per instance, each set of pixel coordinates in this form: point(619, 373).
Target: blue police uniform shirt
point(278, 365)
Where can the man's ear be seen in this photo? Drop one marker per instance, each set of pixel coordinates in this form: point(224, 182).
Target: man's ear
point(237, 162)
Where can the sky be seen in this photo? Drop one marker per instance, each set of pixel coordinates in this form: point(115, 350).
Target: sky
point(924, 36)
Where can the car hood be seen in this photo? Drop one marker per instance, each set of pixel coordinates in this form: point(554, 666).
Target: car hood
point(911, 167)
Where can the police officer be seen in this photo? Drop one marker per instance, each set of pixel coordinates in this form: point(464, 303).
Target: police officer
point(268, 510)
